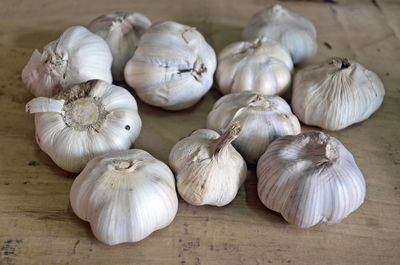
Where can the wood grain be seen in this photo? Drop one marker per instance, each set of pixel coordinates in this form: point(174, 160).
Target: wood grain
point(37, 225)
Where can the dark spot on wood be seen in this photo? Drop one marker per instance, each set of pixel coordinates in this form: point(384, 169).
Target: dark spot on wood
point(186, 246)
point(375, 3)
point(8, 250)
point(180, 240)
point(395, 188)
point(33, 163)
point(378, 50)
point(25, 182)
point(289, 261)
point(75, 245)
point(327, 45)
point(183, 262)
point(6, 183)
point(387, 73)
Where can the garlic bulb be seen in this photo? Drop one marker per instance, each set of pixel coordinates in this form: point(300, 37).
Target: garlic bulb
point(173, 66)
point(262, 119)
point(122, 32)
point(208, 169)
point(336, 94)
point(294, 32)
point(84, 121)
point(77, 56)
point(125, 196)
point(259, 65)
point(310, 178)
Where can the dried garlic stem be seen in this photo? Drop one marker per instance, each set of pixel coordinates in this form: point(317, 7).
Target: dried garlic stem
point(231, 134)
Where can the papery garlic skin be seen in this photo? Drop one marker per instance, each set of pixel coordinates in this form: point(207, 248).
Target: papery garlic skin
point(84, 121)
point(209, 171)
point(125, 196)
point(77, 56)
point(336, 94)
point(122, 32)
point(173, 66)
point(258, 65)
point(293, 31)
point(262, 119)
point(310, 178)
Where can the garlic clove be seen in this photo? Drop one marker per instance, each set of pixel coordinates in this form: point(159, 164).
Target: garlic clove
point(293, 31)
point(125, 196)
point(77, 56)
point(336, 94)
point(310, 178)
point(259, 65)
point(262, 118)
point(84, 121)
point(172, 67)
point(209, 171)
point(122, 32)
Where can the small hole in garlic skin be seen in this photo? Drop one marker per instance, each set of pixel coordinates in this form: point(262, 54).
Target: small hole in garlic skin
point(127, 127)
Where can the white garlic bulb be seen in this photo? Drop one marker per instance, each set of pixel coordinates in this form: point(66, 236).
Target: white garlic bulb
point(310, 178)
point(84, 121)
point(293, 31)
point(262, 119)
point(208, 169)
point(173, 66)
point(77, 56)
point(259, 65)
point(336, 94)
point(125, 195)
point(122, 32)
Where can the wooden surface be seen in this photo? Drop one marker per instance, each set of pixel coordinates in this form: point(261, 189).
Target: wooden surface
point(37, 225)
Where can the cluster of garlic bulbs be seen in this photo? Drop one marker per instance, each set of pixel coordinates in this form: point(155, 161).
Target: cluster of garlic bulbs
point(122, 32)
point(88, 125)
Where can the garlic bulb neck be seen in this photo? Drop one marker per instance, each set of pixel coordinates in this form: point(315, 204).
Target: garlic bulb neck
point(124, 166)
point(224, 141)
point(56, 59)
point(340, 63)
point(278, 10)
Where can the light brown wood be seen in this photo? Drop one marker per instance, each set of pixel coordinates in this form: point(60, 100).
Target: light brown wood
point(37, 225)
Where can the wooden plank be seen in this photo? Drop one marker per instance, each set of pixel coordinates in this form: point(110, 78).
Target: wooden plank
point(37, 225)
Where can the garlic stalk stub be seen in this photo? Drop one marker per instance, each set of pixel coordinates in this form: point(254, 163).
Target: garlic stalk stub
point(125, 196)
point(84, 121)
point(258, 65)
point(122, 32)
point(208, 169)
point(173, 66)
point(262, 118)
point(77, 56)
point(293, 31)
point(336, 94)
point(310, 178)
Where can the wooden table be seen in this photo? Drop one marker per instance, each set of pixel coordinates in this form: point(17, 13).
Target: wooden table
point(37, 225)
